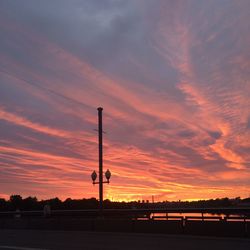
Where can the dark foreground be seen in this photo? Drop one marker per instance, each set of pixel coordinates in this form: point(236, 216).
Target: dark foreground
point(71, 240)
point(237, 229)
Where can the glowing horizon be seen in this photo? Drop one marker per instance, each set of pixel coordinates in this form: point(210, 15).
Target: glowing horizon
point(173, 79)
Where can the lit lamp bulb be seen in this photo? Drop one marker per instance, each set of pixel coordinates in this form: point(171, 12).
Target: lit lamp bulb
point(108, 175)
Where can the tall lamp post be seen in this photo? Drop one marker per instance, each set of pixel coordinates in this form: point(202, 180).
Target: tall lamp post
point(107, 173)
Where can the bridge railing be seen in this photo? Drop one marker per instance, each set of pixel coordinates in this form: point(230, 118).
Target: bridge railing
point(226, 214)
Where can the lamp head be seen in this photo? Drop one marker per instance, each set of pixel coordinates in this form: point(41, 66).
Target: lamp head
point(108, 174)
point(94, 176)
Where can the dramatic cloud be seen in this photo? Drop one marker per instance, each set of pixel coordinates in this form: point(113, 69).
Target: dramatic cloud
point(172, 76)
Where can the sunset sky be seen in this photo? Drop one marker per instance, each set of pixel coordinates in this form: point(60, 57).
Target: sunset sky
point(173, 77)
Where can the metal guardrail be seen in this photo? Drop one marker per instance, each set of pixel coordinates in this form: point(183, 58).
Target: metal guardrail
point(167, 217)
point(130, 220)
point(229, 213)
point(217, 218)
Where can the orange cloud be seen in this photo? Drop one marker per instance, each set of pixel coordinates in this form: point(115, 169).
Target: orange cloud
point(21, 121)
point(176, 129)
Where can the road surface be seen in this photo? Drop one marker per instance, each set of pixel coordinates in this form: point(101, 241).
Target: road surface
point(76, 240)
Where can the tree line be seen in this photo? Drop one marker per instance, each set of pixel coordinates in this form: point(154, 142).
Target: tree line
point(32, 203)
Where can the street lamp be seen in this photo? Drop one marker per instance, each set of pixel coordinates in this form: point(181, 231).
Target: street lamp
point(94, 176)
point(107, 173)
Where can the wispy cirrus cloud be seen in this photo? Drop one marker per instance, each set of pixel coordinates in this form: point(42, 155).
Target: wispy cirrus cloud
point(172, 77)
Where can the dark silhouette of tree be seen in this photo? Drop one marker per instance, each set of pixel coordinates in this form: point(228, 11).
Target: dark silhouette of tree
point(32, 203)
point(16, 201)
point(55, 203)
point(3, 205)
